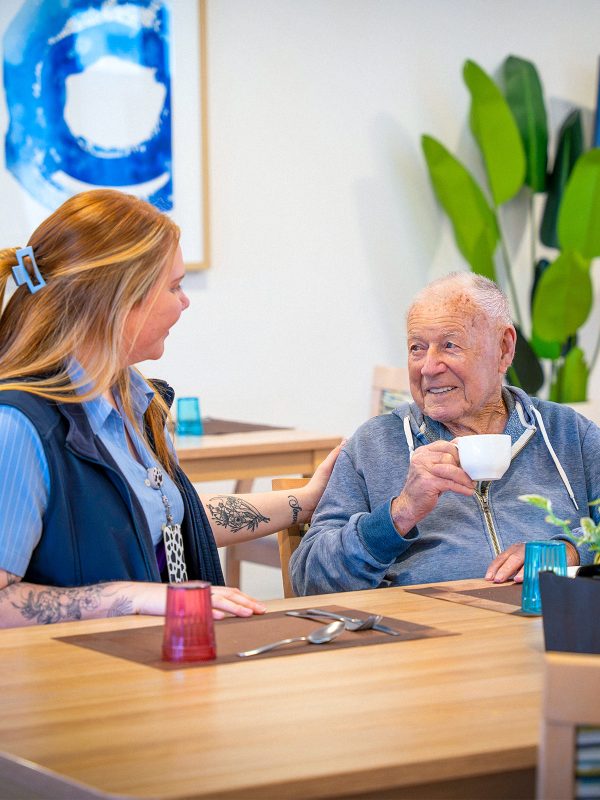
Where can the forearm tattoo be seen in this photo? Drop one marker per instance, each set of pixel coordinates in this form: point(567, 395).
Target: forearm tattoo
point(296, 508)
point(235, 514)
point(65, 604)
point(121, 607)
point(12, 579)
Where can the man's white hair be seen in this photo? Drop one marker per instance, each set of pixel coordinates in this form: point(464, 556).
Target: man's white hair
point(485, 293)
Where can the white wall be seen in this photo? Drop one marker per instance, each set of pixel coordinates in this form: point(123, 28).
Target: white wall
point(323, 220)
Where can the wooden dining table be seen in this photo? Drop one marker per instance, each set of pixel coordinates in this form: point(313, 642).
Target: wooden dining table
point(456, 715)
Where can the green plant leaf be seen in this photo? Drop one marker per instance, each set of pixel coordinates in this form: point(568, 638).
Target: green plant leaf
point(569, 148)
point(563, 298)
point(496, 133)
point(579, 215)
point(474, 223)
point(573, 377)
point(588, 526)
point(536, 500)
point(530, 376)
point(541, 266)
point(543, 349)
point(571, 342)
point(524, 95)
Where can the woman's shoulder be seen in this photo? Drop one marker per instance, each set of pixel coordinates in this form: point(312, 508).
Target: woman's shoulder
point(16, 427)
point(39, 411)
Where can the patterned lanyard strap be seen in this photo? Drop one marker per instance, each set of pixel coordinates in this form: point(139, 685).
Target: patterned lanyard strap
point(171, 532)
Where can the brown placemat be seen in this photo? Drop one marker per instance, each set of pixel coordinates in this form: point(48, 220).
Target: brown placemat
point(214, 427)
point(505, 598)
point(143, 645)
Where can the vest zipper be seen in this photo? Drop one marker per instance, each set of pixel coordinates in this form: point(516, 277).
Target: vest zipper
point(482, 497)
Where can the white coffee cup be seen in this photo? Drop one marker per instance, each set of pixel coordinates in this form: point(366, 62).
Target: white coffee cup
point(484, 457)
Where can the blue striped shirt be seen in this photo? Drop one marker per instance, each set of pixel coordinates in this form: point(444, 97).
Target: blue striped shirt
point(25, 479)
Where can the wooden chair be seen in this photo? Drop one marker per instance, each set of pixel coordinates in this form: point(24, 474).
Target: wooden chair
point(571, 702)
point(289, 538)
point(259, 551)
point(389, 388)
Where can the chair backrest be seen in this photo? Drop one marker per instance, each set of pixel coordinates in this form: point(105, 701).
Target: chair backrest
point(288, 538)
point(389, 388)
point(570, 740)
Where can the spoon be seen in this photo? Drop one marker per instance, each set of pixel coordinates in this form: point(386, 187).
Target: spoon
point(350, 623)
point(320, 635)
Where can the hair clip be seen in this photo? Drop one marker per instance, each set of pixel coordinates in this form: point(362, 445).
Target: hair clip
point(21, 273)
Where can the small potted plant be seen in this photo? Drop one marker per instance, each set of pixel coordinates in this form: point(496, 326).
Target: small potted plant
point(570, 607)
point(589, 533)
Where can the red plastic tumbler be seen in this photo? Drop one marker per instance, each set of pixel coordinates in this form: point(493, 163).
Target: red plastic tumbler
point(189, 631)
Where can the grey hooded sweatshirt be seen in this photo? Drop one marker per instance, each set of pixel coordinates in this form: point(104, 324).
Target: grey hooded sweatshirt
point(353, 544)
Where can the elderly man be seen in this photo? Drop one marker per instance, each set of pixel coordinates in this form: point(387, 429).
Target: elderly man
point(400, 510)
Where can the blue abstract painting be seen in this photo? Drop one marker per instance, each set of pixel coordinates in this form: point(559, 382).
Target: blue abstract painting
point(596, 139)
point(88, 91)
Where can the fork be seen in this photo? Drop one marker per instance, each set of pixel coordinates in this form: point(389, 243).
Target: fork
point(350, 623)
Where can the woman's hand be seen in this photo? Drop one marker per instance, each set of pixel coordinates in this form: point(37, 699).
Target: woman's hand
point(311, 493)
point(151, 598)
point(226, 600)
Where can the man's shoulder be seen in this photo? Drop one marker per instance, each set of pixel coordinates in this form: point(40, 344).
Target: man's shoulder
point(391, 421)
point(558, 411)
point(565, 426)
point(379, 436)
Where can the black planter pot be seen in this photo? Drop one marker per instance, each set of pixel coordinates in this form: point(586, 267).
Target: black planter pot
point(571, 612)
point(589, 571)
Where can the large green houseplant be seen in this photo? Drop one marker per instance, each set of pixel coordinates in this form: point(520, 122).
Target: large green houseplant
point(509, 124)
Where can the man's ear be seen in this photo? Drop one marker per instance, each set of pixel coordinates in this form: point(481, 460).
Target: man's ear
point(508, 342)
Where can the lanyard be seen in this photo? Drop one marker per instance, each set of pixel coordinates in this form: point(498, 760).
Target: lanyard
point(171, 532)
point(172, 538)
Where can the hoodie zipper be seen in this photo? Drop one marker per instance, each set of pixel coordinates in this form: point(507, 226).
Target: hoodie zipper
point(482, 495)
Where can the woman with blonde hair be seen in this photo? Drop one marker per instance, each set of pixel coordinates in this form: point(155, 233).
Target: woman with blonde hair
point(95, 513)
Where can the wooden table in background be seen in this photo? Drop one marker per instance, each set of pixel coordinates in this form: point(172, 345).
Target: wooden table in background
point(457, 716)
point(239, 456)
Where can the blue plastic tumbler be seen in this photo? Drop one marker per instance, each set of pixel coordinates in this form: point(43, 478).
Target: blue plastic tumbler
point(548, 556)
point(189, 421)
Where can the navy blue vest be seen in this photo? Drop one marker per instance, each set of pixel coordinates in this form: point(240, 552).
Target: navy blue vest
point(94, 528)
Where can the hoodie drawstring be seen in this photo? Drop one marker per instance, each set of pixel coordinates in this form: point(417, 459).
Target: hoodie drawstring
point(409, 437)
point(557, 463)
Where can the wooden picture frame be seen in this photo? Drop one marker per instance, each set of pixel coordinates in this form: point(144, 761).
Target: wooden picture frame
point(105, 95)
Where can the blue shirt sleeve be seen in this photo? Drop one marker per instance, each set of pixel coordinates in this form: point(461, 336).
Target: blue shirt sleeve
point(24, 489)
